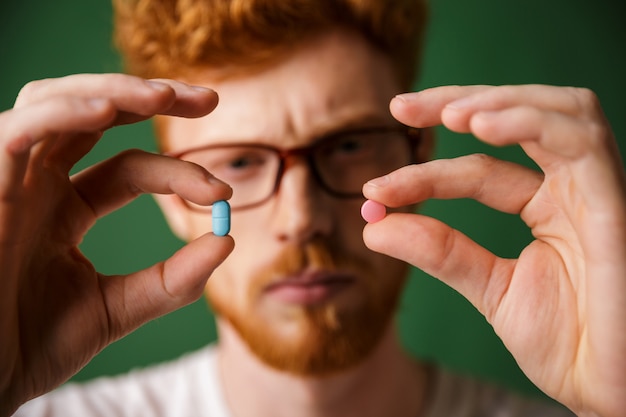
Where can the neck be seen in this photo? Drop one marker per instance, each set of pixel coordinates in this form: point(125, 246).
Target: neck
point(387, 382)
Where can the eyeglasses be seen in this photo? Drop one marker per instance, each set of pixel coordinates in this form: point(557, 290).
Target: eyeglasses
point(341, 163)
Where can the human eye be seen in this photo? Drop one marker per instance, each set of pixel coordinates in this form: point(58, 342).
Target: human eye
point(243, 162)
point(349, 148)
point(350, 145)
point(240, 165)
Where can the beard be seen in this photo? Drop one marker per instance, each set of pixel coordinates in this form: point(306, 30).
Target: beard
point(321, 339)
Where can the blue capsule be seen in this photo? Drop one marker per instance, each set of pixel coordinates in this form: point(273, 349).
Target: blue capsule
point(221, 218)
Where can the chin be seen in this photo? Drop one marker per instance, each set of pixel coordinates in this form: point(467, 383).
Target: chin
point(315, 340)
point(315, 309)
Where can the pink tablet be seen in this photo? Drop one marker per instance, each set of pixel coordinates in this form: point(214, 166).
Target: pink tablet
point(372, 211)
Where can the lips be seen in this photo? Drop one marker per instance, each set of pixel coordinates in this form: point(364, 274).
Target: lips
point(309, 287)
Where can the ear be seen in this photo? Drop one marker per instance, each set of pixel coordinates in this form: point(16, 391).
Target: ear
point(176, 213)
point(426, 148)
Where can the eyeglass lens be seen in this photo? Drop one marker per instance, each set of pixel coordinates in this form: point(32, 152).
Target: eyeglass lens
point(342, 164)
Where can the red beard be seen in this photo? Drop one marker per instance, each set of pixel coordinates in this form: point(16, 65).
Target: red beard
point(322, 338)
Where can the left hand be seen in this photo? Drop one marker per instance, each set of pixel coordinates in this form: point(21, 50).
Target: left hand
point(560, 308)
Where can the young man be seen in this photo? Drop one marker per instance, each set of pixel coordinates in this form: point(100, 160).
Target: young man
point(304, 307)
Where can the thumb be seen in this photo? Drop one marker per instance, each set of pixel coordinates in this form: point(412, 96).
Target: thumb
point(137, 298)
point(445, 253)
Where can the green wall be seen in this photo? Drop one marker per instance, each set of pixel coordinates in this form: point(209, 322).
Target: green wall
point(563, 42)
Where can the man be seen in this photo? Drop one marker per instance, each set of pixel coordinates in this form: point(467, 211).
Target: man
point(304, 307)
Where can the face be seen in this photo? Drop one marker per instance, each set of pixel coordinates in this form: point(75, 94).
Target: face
point(301, 289)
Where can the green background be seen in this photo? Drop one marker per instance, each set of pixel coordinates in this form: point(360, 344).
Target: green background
point(562, 42)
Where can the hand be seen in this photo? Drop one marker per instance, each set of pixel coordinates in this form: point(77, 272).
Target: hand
point(560, 308)
point(56, 311)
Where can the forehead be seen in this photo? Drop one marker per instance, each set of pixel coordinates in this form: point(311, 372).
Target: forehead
point(334, 81)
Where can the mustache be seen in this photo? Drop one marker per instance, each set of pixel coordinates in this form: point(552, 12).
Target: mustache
point(318, 254)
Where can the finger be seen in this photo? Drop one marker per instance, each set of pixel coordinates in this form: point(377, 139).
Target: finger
point(189, 101)
point(23, 128)
point(480, 177)
point(454, 105)
point(192, 100)
point(116, 181)
point(164, 287)
point(64, 151)
point(596, 177)
point(136, 99)
point(576, 102)
point(444, 253)
point(423, 108)
point(124, 90)
point(548, 133)
point(555, 132)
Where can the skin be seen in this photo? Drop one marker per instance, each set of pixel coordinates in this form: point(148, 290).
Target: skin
point(57, 311)
point(560, 307)
point(290, 105)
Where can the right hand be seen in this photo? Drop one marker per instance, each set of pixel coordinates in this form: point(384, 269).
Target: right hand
point(56, 310)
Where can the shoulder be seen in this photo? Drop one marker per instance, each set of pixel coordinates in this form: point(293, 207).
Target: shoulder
point(464, 396)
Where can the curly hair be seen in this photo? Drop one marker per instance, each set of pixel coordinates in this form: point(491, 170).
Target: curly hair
point(173, 38)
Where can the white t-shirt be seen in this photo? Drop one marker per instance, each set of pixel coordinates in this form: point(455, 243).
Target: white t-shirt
point(190, 387)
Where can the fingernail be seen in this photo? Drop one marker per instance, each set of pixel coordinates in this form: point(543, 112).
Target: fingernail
point(379, 182)
point(214, 180)
point(157, 85)
point(201, 89)
point(407, 97)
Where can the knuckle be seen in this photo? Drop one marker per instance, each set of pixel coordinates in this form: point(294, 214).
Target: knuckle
point(128, 156)
point(597, 134)
point(78, 107)
point(482, 160)
point(506, 91)
point(586, 99)
point(126, 160)
point(501, 95)
point(585, 95)
point(30, 91)
point(482, 167)
point(595, 131)
point(127, 164)
point(123, 80)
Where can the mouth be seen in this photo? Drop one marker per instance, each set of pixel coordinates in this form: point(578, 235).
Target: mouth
point(309, 287)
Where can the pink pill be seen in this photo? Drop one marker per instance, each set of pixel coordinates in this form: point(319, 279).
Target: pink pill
point(373, 212)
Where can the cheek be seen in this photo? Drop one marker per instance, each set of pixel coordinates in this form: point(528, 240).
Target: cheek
point(231, 278)
point(349, 225)
point(227, 285)
point(198, 224)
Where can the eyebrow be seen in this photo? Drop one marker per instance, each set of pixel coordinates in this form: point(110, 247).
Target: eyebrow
point(315, 139)
point(362, 122)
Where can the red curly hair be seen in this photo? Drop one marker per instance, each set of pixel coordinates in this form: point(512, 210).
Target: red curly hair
point(176, 38)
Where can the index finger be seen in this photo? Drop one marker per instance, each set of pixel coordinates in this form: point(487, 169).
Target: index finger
point(480, 177)
point(23, 128)
point(423, 108)
point(135, 99)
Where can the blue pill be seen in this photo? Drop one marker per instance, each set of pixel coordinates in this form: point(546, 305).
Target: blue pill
point(221, 218)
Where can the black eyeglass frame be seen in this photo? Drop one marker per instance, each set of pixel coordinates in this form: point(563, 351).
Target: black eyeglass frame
point(411, 134)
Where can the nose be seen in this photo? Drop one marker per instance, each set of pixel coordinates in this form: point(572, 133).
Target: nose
point(302, 210)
